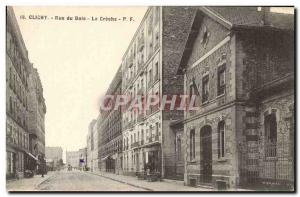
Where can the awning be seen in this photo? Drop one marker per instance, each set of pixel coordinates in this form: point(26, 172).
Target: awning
point(31, 155)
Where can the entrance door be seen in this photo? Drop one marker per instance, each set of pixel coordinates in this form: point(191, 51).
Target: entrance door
point(206, 154)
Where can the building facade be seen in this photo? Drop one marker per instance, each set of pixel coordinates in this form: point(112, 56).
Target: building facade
point(239, 62)
point(149, 69)
point(77, 159)
point(54, 155)
point(111, 130)
point(37, 114)
point(20, 151)
point(90, 143)
point(94, 156)
point(72, 159)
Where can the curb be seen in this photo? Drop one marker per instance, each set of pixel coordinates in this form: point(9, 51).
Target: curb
point(42, 181)
point(137, 186)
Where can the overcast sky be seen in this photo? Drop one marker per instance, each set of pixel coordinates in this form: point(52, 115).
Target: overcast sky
point(76, 61)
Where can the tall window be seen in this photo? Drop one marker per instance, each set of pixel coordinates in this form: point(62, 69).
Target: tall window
point(221, 139)
point(178, 148)
point(192, 144)
point(150, 77)
point(191, 91)
point(156, 70)
point(150, 132)
point(270, 134)
point(221, 79)
point(205, 93)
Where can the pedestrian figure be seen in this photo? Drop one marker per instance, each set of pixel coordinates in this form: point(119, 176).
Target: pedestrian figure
point(42, 165)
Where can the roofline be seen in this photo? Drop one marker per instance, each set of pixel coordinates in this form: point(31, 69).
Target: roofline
point(216, 17)
point(137, 31)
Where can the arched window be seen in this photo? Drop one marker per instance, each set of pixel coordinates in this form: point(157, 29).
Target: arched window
point(221, 139)
point(270, 124)
point(192, 144)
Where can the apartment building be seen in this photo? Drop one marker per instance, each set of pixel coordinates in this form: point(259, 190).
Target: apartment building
point(149, 70)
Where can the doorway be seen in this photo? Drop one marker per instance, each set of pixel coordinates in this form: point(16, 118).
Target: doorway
point(206, 154)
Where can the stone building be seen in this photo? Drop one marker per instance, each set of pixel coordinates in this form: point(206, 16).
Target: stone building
point(90, 143)
point(149, 70)
point(55, 155)
point(37, 113)
point(77, 159)
point(94, 156)
point(111, 130)
point(239, 62)
point(72, 159)
point(20, 152)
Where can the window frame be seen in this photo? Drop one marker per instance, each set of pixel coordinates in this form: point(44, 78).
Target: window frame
point(221, 139)
point(192, 145)
point(221, 69)
point(205, 95)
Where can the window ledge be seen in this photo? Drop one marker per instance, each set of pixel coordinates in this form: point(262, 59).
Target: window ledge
point(205, 103)
point(222, 159)
point(221, 95)
point(192, 162)
point(271, 158)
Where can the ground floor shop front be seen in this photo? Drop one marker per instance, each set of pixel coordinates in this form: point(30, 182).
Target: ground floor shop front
point(142, 160)
point(18, 161)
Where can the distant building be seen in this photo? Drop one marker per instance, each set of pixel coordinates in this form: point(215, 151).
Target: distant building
point(74, 158)
point(111, 157)
point(82, 157)
point(54, 154)
point(92, 146)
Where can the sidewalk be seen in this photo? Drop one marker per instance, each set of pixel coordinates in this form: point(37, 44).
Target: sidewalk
point(27, 184)
point(165, 185)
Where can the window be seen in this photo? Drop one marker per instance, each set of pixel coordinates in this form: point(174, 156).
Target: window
point(205, 93)
point(192, 144)
point(221, 139)
point(150, 131)
point(191, 92)
point(156, 70)
point(142, 83)
point(156, 127)
point(150, 77)
point(221, 79)
point(270, 134)
point(178, 148)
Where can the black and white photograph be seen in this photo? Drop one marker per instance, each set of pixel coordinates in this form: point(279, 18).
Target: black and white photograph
point(150, 98)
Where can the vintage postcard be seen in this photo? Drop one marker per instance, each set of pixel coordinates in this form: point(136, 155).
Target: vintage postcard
point(150, 99)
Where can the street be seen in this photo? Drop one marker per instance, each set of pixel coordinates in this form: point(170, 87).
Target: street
point(94, 181)
point(82, 181)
